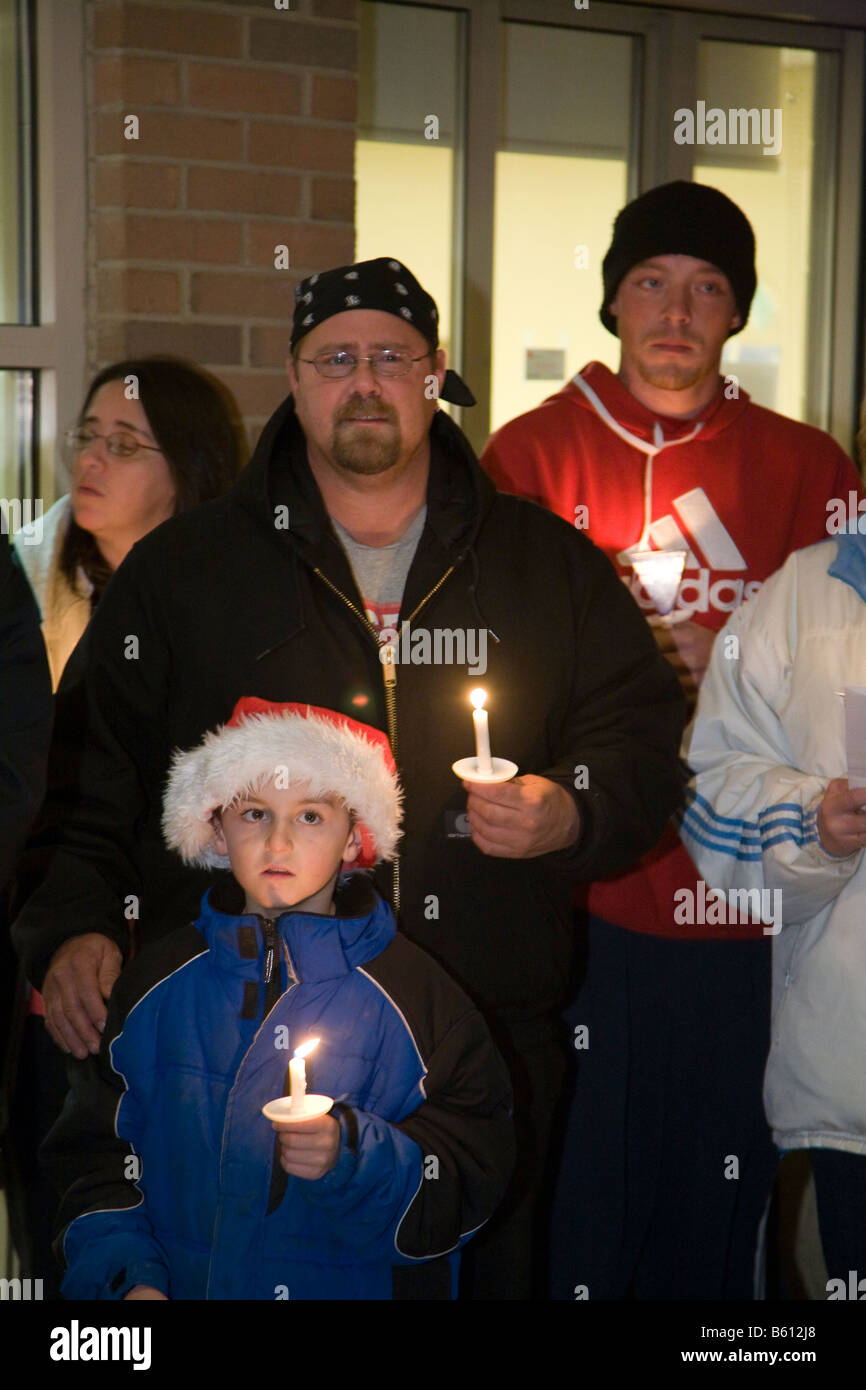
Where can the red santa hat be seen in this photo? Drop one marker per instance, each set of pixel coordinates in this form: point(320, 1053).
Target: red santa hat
point(329, 752)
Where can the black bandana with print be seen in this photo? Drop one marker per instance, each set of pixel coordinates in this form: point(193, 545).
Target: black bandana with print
point(383, 284)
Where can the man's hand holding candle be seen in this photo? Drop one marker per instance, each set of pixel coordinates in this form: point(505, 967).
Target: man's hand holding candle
point(309, 1148)
point(522, 818)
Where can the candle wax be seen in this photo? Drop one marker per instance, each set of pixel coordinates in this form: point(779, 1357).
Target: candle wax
point(482, 741)
point(298, 1078)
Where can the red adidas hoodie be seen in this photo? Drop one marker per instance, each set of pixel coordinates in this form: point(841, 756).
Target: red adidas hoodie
point(737, 489)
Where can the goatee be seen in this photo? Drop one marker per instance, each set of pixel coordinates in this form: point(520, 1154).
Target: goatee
point(366, 449)
point(671, 376)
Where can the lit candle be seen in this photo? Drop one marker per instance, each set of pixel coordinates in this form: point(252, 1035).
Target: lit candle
point(482, 733)
point(298, 1071)
point(659, 573)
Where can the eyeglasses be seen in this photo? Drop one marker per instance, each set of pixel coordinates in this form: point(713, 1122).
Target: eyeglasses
point(119, 445)
point(387, 363)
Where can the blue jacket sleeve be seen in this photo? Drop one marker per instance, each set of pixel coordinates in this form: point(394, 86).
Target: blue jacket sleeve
point(418, 1188)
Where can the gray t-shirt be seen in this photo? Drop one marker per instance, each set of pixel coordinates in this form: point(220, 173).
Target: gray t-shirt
point(380, 570)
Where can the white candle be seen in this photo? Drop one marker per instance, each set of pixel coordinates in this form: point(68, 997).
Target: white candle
point(482, 732)
point(298, 1071)
point(659, 573)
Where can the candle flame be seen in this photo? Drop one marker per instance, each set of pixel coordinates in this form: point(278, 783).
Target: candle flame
point(478, 697)
point(306, 1048)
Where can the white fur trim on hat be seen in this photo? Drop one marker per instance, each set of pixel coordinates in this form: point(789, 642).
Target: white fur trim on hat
point(239, 760)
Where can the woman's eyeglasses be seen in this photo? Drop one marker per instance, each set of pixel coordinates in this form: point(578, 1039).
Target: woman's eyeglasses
point(119, 444)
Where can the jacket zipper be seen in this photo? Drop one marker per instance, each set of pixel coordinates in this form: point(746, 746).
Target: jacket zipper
point(270, 937)
point(389, 676)
point(271, 941)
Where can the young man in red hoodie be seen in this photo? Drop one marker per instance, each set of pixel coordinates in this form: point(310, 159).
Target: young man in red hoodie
point(697, 495)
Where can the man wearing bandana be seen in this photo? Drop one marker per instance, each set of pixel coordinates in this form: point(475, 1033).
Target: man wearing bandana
point(359, 559)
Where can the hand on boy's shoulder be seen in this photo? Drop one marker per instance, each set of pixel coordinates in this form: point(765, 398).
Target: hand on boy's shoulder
point(309, 1149)
point(79, 981)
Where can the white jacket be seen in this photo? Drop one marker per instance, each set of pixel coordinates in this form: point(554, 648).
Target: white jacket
point(65, 610)
point(768, 737)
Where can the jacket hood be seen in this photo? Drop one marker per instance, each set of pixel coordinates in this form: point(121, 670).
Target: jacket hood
point(459, 492)
point(318, 947)
point(597, 389)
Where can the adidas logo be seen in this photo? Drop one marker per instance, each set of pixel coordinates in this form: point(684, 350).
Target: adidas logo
point(695, 527)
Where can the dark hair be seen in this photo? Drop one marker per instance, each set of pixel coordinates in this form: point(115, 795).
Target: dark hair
point(196, 423)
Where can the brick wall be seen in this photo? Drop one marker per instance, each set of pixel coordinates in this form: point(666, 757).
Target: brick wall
point(246, 131)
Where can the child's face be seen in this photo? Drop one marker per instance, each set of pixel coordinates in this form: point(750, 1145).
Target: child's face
point(286, 849)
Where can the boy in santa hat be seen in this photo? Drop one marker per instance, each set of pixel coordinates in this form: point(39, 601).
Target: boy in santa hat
point(176, 1185)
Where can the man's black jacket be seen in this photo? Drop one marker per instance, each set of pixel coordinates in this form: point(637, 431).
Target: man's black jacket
point(253, 595)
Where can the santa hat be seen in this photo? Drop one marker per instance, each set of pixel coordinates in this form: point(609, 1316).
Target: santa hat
point(333, 754)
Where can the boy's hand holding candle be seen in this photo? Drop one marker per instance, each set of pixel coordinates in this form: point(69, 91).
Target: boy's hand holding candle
point(309, 1148)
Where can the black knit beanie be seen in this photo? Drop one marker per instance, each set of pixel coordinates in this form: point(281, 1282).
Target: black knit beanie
point(682, 219)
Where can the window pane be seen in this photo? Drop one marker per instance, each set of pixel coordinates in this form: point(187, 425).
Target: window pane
point(562, 174)
point(18, 422)
point(407, 152)
point(778, 104)
point(16, 167)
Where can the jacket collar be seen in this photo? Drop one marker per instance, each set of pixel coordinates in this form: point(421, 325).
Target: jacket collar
point(645, 427)
point(459, 493)
point(849, 563)
point(318, 948)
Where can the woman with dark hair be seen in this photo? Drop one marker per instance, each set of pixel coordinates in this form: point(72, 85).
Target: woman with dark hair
point(155, 436)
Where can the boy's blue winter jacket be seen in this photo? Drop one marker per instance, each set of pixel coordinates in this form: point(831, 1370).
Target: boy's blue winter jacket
point(171, 1168)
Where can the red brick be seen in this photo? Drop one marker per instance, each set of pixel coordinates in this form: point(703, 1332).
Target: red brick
point(243, 295)
point(290, 40)
point(123, 236)
point(111, 236)
point(138, 291)
point(183, 238)
point(111, 345)
point(257, 393)
point(137, 185)
point(335, 98)
point(200, 342)
point(171, 29)
point(178, 136)
point(149, 81)
point(302, 147)
point(310, 248)
point(242, 190)
point(269, 345)
point(229, 88)
point(334, 9)
point(334, 200)
point(107, 25)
